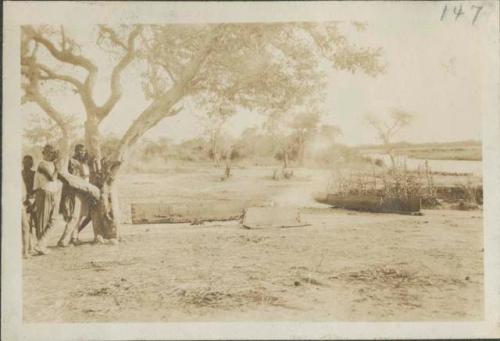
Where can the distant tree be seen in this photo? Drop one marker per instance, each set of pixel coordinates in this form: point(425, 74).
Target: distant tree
point(291, 131)
point(214, 123)
point(151, 149)
point(304, 126)
point(254, 143)
point(388, 129)
point(109, 143)
point(323, 144)
point(330, 132)
point(192, 150)
point(277, 126)
point(40, 130)
point(229, 152)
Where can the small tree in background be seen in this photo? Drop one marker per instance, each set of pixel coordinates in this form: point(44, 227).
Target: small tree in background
point(291, 130)
point(228, 152)
point(255, 144)
point(304, 126)
point(330, 132)
point(388, 129)
point(214, 123)
point(41, 130)
point(277, 126)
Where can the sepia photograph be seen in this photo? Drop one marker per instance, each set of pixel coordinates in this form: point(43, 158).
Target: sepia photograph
point(278, 162)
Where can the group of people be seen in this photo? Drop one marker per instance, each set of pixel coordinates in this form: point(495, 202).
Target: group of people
point(45, 196)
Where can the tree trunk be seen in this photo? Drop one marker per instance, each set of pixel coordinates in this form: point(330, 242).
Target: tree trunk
point(215, 150)
point(93, 144)
point(227, 172)
point(393, 160)
point(390, 152)
point(64, 152)
point(285, 159)
point(104, 211)
point(107, 211)
point(301, 148)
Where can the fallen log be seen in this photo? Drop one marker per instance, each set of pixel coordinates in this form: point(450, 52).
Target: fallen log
point(454, 194)
point(161, 213)
point(372, 203)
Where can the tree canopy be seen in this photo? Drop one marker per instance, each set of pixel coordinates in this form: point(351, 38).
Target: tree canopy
point(266, 67)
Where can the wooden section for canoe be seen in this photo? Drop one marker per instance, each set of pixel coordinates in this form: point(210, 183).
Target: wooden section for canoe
point(373, 203)
point(158, 213)
point(457, 193)
point(79, 184)
point(272, 217)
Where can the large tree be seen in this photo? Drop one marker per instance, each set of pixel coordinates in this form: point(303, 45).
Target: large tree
point(262, 67)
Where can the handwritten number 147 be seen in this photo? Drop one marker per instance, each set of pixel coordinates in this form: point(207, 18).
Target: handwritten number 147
point(457, 12)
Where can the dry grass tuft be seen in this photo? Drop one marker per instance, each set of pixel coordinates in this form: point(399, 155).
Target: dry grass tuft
point(225, 299)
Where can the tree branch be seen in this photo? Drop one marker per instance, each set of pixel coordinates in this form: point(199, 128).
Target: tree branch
point(113, 36)
point(394, 128)
point(163, 106)
point(68, 57)
point(164, 65)
point(51, 75)
point(168, 70)
point(115, 84)
point(151, 116)
point(33, 94)
point(63, 39)
point(64, 56)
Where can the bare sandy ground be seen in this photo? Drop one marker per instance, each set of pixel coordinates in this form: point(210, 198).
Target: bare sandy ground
point(345, 266)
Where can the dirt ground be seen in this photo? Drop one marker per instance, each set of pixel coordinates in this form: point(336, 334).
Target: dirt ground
point(345, 266)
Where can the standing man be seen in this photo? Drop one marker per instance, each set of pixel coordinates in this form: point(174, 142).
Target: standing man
point(46, 187)
point(28, 175)
point(74, 204)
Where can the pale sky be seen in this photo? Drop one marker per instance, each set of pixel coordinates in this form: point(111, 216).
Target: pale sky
point(433, 71)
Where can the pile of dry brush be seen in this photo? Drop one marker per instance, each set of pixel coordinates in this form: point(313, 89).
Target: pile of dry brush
point(399, 183)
